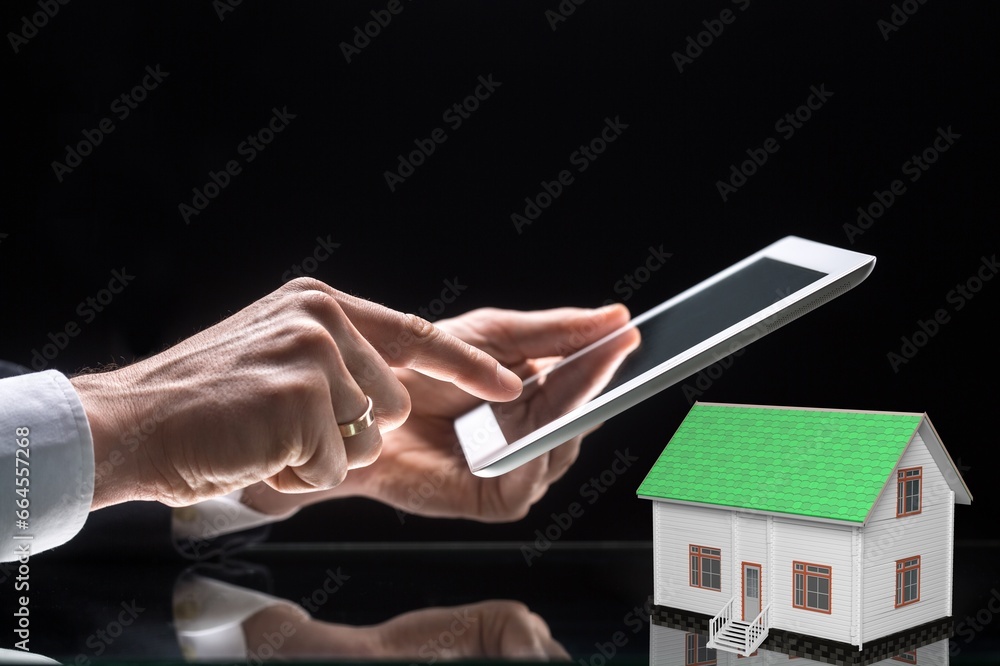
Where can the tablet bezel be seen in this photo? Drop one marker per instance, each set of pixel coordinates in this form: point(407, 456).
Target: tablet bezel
point(487, 450)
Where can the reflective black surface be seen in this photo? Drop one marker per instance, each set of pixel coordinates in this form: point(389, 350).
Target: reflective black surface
point(100, 599)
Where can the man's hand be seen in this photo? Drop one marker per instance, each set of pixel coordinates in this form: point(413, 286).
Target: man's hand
point(258, 397)
point(422, 469)
point(489, 629)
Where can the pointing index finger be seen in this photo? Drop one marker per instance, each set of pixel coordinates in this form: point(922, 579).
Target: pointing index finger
point(409, 341)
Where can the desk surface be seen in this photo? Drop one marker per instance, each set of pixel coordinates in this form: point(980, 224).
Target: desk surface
point(590, 595)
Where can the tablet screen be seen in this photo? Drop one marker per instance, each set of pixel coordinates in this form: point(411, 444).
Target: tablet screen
point(663, 336)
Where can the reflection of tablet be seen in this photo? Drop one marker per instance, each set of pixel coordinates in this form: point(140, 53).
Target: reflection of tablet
point(676, 339)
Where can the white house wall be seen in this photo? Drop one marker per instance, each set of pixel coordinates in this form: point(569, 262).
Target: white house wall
point(888, 539)
point(675, 528)
point(816, 543)
point(666, 645)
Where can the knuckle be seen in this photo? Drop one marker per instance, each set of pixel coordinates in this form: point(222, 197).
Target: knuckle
point(369, 455)
point(513, 512)
point(316, 304)
point(513, 608)
point(301, 284)
point(484, 313)
point(391, 399)
point(420, 329)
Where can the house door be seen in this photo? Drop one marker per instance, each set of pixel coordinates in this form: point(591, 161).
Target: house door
point(751, 591)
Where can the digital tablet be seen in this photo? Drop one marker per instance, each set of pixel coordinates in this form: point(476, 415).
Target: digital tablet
point(658, 348)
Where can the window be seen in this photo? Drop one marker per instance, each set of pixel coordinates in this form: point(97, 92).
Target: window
point(695, 651)
point(906, 657)
point(908, 486)
point(907, 581)
point(811, 587)
point(706, 568)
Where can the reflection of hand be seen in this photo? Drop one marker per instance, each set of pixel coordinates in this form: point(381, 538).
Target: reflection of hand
point(258, 397)
point(422, 469)
point(494, 629)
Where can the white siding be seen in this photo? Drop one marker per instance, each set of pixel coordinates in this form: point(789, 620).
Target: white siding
point(676, 527)
point(815, 543)
point(888, 539)
point(666, 645)
point(935, 654)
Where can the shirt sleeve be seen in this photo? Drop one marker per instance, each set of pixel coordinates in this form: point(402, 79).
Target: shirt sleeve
point(44, 430)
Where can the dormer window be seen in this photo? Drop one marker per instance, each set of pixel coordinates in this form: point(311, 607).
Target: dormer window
point(909, 485)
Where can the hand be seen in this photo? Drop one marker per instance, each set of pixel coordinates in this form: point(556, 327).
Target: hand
point(491, 629)
point(258, 397)
point(422, 469)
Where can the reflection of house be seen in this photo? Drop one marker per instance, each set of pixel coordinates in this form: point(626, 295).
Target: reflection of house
point(812, 532)
point(676, 647)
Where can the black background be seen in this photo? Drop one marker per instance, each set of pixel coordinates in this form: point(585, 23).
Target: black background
point(323, 176)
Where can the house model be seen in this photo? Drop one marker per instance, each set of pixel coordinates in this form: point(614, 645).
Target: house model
point(818, 533)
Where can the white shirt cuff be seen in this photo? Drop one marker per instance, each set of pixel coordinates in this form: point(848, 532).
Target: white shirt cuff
point(59, 452)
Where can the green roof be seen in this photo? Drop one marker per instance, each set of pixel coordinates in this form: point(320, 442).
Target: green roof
point(806, 462)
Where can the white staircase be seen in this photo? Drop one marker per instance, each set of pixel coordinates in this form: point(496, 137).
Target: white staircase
point(727, 633)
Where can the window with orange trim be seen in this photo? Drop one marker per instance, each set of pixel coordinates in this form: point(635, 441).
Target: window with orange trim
point(811, 586)
point(706, 567)
point(909, 657)
point(697, 652)
point(907, 581)
point(909, 484)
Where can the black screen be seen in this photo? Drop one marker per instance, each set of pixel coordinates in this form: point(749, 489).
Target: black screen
point(663, 336)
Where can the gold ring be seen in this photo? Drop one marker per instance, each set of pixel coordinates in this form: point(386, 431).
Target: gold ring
point(357, 425)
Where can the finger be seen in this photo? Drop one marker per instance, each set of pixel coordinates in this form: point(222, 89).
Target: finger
point(526, 635)
point(515, 336)
point(363, 363)
point(532, 481)
point(520, 489)
point(373, 375)
point(573, 383)
point(326, 454)
point(407, 341)
point(350, 405)
point(320, 461)
point(325, 463)
point(604, 359)
point(555, 650)
point(561, 459)
point(551, 648)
